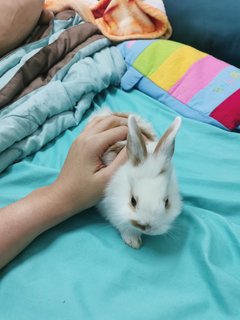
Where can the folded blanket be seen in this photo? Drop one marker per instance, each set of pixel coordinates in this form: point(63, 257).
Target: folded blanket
point(121, 19)
point(191, 82)
point(52, 81)
point(41, 67)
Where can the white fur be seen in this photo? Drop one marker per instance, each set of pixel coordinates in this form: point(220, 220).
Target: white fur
point(149, 187)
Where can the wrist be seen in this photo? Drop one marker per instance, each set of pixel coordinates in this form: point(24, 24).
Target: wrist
point(49, 206)
point(67, 201)
point(59, 202)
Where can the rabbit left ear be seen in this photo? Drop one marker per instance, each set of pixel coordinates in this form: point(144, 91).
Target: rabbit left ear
point(136, 147)
point(166, 144)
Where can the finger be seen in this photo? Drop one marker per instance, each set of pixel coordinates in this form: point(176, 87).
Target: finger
point(108, 123)
point(107, 138)
point(118, 116)
point(95, 120)
point(106, 173)
point(121, 114)
point(120, 159)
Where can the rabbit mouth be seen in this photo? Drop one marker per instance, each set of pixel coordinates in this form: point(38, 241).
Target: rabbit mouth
point(151, 230)
point(158, 231)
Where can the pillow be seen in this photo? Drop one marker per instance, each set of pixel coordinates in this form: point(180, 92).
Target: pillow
point(191, 82)
point(17, 19)
point(211, 26)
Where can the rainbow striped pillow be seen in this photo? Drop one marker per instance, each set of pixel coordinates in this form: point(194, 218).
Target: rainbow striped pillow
point(191, 82)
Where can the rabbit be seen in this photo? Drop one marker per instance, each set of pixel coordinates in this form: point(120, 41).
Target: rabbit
point(142, 196)
point(146, 130)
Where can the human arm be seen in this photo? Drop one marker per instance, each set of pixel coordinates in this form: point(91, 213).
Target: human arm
point(79, 186)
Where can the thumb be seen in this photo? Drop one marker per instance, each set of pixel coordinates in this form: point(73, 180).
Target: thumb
point(120, 159)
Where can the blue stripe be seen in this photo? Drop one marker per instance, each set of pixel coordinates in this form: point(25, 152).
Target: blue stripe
point(221, 87)
point(130, 54)
point(148, 87)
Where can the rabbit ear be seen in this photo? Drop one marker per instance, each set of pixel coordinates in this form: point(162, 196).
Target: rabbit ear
point(165, 146)
point(136, 146)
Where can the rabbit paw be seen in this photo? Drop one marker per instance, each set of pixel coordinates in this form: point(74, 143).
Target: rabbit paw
point(132, 240)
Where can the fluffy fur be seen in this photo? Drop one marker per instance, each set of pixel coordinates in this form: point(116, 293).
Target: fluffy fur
point(143, 195)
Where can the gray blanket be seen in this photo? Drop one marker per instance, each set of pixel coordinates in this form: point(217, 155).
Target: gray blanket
point(48, 84)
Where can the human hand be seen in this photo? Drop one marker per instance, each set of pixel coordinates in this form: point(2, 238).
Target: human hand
point(84, 177)
point(79, 186)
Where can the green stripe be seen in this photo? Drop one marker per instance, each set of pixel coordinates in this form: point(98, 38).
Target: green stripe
point(154, 55)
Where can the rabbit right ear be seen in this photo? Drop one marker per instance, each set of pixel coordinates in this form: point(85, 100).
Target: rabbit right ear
point(136, 146)
point(165, 146)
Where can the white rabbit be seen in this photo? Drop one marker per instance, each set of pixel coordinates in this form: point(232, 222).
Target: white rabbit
point(142, 196)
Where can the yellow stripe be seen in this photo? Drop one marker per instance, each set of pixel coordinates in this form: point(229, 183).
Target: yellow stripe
point(176, 66)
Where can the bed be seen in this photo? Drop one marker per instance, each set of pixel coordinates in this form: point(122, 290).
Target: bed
point(81, 269)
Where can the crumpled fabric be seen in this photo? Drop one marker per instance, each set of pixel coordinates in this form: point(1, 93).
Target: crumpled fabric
point(121, 19)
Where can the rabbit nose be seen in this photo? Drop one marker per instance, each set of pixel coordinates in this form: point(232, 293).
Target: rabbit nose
point(143, 227)
point(146, 228)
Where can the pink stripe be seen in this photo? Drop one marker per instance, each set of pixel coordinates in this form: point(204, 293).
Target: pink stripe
point(197, 78)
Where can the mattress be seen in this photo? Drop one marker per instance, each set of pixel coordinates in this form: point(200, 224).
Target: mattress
point(81, 269)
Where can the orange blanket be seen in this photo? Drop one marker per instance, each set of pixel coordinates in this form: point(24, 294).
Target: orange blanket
point(120, 19)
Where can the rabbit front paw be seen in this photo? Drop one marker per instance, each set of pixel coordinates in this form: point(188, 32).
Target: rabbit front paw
point(132, 240)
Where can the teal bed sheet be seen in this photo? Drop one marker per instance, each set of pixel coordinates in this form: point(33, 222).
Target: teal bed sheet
point(81, 269)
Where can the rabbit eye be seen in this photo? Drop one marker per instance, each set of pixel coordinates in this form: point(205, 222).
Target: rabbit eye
point(133, 202)
point(166, 203)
